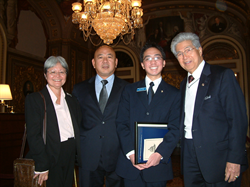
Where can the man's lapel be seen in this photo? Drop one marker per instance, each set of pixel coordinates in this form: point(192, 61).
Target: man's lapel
point(202, 88)
point(92, 93)
point(113, 94)
point(159, 95)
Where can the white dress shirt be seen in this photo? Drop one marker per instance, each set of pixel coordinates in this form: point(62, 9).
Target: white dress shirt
point(191, 90)
point(156, 83)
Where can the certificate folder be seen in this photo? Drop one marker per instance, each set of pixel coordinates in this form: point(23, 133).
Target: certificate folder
point(147, 138)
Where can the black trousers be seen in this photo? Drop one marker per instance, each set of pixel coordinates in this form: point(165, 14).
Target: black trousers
point(191, 170)
point(96, 178)
point(61, 175)
point(140, 182)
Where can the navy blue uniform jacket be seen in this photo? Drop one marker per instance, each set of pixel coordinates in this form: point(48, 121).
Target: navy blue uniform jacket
point(164, 108)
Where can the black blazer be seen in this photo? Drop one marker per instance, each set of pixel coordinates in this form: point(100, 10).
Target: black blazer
point(219, 122)
point(98, 131)
point(46, 156)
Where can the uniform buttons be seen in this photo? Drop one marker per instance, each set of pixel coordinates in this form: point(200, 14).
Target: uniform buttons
point(103, 122)
point(147, 113)
point(101, 137)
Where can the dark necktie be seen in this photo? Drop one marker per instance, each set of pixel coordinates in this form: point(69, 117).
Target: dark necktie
point(150, 92)
point(103, 98)
point(190, 78)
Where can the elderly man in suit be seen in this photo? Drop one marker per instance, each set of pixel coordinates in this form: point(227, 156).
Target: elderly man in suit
point(99, 98)
point(135, 105)
point(213, 121)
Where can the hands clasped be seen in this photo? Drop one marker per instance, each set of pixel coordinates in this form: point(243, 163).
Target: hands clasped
point(153, 160)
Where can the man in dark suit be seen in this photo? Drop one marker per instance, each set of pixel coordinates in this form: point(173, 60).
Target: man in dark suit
point(99, 141)
point(135, 106)
point(213, 121)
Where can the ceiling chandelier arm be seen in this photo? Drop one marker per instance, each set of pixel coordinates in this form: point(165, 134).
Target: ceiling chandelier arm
point(114, 45)
point(94, 43)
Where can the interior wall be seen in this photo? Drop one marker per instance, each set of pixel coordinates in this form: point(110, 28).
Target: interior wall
point(25, 76)
point(30, 34)
point(3, 53)
point(63, 38)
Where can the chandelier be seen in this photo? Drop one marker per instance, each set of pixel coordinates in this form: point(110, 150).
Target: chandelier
point(109, 18)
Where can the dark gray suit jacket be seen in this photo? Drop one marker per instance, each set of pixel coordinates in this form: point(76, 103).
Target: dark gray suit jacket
point(98, 131)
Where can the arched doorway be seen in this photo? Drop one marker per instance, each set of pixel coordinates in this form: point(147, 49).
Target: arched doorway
point(128, 64)
point(227, 52)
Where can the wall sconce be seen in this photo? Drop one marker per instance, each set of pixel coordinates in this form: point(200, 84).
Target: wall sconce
point(5, 94)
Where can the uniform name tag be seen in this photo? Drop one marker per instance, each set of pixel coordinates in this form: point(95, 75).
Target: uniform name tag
point(141, 89)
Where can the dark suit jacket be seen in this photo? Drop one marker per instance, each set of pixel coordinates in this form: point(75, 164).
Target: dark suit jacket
point(98, 131)
point(46, 156)
point(219, 122)
point(164, 108)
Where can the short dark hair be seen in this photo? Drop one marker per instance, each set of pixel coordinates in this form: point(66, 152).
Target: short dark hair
point(149, 45)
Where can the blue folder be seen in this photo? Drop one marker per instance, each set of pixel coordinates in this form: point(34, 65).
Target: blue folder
point(146, 130)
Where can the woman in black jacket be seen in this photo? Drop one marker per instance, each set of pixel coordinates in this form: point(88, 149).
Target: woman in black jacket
point(54, 161)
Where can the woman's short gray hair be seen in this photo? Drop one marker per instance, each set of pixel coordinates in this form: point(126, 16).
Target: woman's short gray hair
point(185, 36)
point(53, 60)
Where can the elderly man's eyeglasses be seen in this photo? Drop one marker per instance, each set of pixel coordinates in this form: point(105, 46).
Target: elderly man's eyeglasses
point(187, 51)
point(149, 59)
point(53, 73)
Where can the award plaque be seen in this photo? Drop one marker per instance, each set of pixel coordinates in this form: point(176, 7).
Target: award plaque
point(147, 138)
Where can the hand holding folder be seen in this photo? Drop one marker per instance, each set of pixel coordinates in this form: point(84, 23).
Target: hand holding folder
point(147, 138)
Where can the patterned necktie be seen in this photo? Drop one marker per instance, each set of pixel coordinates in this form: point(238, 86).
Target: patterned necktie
point(190, 78)
point(103, 98)
point(150, 92)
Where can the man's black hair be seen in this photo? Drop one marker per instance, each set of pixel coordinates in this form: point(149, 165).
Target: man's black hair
point(149, 45)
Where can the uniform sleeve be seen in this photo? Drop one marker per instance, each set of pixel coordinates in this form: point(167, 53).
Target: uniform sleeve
point(171, 138)
point(123, 123)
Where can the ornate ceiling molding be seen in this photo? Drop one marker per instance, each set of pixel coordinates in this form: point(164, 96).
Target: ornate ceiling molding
point(168, 7)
